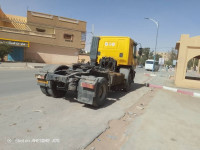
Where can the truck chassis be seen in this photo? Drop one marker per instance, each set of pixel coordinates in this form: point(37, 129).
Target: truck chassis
point(91, 82)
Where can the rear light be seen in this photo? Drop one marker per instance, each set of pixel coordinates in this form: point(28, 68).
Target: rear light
point(40, 77)
point(87, 85)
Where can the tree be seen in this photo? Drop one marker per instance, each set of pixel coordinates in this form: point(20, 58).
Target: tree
point(5, 49)
point(192, 63)
point(172, 56)
point(144, 57)
point(147, 54)
point(151, 56)
point(158, 56)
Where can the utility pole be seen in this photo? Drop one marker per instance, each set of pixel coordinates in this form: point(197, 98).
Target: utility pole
point(157, 25)
point(93, 29)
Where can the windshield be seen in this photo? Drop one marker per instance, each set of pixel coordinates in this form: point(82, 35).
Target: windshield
point(149, 62)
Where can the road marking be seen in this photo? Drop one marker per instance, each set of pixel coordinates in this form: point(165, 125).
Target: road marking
point(155, 86)
point(169, 88)
point(185, 92)
point(196, 94)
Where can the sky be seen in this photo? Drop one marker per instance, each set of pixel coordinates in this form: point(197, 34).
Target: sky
point(122, 17)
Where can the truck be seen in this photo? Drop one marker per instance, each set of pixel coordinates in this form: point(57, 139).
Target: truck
point(111, 68)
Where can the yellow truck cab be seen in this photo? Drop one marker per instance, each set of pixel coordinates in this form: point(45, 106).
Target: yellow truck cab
point(122, 49)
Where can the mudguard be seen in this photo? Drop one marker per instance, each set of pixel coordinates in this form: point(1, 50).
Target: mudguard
point(87, 95)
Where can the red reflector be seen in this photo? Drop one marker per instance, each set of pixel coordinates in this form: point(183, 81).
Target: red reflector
point(87, 85)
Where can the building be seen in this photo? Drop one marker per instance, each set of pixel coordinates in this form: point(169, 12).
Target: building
point(164, 55)
point(42, 37)
point(83, 58)
point(188, 48)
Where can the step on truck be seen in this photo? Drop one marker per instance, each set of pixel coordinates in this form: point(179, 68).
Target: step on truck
point(112, 67)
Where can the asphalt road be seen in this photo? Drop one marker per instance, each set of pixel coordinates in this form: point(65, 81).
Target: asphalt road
point(31, 120)
point(16, 82)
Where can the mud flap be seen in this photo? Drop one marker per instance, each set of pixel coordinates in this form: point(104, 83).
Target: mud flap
point(126, 72)
point(87, 89)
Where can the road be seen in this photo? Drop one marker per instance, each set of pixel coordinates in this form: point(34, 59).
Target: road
point(31, 120)
point(16, 82)
point(142, 119)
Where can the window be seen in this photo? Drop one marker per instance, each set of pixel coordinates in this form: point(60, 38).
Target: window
point(83, 36)
point(68, 37)
point(149, 62)
point(40, 30)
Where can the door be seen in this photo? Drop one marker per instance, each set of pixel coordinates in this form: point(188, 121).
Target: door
point(17, 54)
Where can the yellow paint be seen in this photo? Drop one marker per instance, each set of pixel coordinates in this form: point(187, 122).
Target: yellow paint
point(42, 81)
point(16, 40)
point(112, 46)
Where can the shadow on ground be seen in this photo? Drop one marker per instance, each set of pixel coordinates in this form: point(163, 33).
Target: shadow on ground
point(113, 96)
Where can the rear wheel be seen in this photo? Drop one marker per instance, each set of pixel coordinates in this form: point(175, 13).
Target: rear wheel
point(52, 91)
point(101, 94)
point(44, 90)
point(128, 83)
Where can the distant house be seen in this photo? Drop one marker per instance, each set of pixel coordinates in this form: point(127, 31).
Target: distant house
point(164, 55)
point(42, 37)
point(83, 58)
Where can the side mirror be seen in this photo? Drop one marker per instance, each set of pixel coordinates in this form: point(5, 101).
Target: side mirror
point(140, 51)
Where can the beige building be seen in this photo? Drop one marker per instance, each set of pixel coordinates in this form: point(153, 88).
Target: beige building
point(188, 48)
point(164, 55)
point(42, 37)
point(83, 58)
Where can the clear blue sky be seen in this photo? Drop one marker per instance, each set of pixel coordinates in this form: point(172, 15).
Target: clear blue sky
point(122, 17)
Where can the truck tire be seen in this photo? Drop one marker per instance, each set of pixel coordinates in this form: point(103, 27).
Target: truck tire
point(44, 90)
point(52, 91)
point(128, 76)
point(101, 95)
point(128, 83)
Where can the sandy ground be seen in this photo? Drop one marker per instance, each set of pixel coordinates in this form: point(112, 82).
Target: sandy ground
point(160, 120)
point(117, 134)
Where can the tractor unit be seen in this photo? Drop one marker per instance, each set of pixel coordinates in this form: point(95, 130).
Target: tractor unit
point(112, 67)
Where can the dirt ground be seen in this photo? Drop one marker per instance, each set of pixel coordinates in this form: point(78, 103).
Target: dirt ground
point(116, 134)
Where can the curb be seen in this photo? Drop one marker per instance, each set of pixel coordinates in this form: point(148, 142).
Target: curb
point(12, 67)
point(149, 75)
point(23, 67)
point(174, 90)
